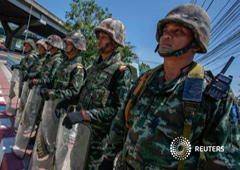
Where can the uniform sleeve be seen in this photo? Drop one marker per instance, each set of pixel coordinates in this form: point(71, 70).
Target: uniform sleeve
point(47, 79)
point(219, 133)
point(77, 78)
point(28, 64)
point(118, 130)
point(119, 91)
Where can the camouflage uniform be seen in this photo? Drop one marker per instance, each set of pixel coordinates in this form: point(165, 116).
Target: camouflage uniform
point(104, 91)
point(157, 117)
point(35, 71)
point(51, 64)
point(70, 75)
point(30, 58)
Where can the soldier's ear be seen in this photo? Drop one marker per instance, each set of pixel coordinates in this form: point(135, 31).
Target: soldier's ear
point(195, 46)
point(196, 49)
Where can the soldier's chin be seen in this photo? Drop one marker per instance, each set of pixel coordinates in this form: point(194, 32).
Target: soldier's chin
point(165, 50)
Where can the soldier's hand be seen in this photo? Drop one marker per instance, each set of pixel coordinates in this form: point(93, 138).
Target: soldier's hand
point(12, 67)
point(25, 75)
point(44, 92)
point(62, 107)
point(74, 117)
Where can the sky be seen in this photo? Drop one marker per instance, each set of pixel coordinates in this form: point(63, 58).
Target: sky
point(140, 18)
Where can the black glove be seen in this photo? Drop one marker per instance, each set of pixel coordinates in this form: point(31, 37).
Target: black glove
point(25, 75)
point(63, 105)
point(30, 83)
point(44, 92)
point(73, 118)
point(12, 67)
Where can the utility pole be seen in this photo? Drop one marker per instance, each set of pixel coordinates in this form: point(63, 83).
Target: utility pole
point(29, 20)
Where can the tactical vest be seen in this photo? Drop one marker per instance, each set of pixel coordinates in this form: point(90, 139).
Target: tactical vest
point(96, 88)
point(192, 97)
point(63, 75)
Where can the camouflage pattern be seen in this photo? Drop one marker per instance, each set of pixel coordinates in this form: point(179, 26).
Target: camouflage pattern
point(114, 28)
point(35, 70)
point(101, 97)
point(77, 39)
point(49, 69)
point(27, 61)
point(42, 42)
point(192, 17)
point(55, 41)
point(157, 118)
point(30, 42)
point(68, 79)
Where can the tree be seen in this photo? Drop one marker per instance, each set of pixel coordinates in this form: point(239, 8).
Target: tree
point(84, 16)
point(144, 67)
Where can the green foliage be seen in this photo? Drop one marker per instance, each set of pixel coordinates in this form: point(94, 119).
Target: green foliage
point(144, 67)
point(85, 16)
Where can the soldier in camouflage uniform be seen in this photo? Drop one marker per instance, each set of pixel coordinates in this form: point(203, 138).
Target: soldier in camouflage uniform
point(31, 56)
point(66, 85)
point(34, 71)
point(27, 62)
point(70, 75)
point(105, 88)
point(151, 118)
point(51, 64)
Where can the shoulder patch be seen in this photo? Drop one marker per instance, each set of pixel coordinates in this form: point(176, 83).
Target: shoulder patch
point(79, 67)
point(122, 67)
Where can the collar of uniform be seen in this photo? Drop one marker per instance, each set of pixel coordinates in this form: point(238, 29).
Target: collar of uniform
point(158, 84)
point(113, 58)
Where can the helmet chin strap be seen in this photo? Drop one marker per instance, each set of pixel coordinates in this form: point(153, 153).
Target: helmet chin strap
point(176, 53)
point(101, 50)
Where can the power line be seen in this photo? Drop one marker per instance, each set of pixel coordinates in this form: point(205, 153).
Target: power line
point(209, 5)
point(203, 3)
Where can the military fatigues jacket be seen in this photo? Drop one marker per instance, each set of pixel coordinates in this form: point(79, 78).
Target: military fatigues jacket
point(49, 69)
point(28, 61)
point(157, 118)
point(101, 97)
point(35, 70)
point(68, 79)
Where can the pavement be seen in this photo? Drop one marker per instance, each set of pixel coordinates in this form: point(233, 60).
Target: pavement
point(8, 160)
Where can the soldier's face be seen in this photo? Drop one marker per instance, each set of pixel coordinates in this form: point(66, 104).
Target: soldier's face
point(27, 47)
point(49, 47)
point(175, 37)
point(102, 40)
point(41, 50)
point(69, 47)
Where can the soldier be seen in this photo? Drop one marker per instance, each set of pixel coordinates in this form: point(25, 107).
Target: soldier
point(34, 71)
point(66, 85)
point(25, 64)
point(27, 128)
point(31, 56)
point(69, 77)
point(51, 64)
point(171, 102)
point(105, 89)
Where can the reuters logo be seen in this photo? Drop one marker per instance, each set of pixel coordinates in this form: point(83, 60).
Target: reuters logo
point(180, 148)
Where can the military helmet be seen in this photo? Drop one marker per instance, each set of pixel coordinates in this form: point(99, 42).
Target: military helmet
point(114, 28)
point(30, 42)
point(42, 43)
point(77, 39)
point(192, 17)
point(55, 41)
